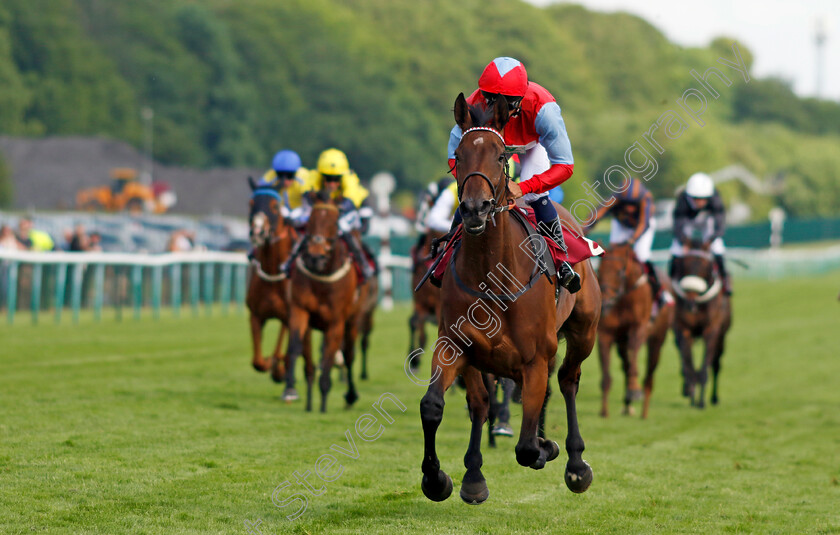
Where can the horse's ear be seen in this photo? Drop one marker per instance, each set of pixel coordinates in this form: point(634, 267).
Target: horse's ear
point(252, 183)
point(501, 113)
point(462, 113)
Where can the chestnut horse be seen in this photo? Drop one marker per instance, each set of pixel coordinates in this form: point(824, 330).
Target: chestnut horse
point(425, 301)
point(327, 296)
point(505, 331)
point(268, 289)
point(703, 311)
point(626, 321)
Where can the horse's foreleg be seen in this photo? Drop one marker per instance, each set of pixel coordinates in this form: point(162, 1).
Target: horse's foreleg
point(530, 450)
point(605, 342)
point(436, 485)
point(711, 344)
point(579, 344)
point(366, 328)
point(493, 408)
point(349, 351)
point(716, 367)
point(654, 349)
point(333, 337)
point(278, 356)
point(473, 485)
point(298, 325)
point(257, 360)
point(309, 367)
point(412, 332)
point(633, 343)
point(684, 341)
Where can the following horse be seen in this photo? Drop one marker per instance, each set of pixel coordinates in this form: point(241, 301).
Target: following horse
point(268, 290)
point(328, 296)
point(627, 321)
point(703, 311)
point(488, 325)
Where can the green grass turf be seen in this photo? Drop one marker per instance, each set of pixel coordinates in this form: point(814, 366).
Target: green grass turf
point(163, 427)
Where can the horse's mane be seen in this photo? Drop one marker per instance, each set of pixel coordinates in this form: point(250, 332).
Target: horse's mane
point(480, 115)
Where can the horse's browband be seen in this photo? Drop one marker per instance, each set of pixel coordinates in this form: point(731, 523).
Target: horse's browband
point(325, 206)
point(486, 128)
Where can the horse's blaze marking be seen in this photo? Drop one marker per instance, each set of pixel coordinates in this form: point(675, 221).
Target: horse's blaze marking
point(478, 141)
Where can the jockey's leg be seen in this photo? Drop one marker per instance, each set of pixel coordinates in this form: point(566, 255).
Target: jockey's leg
point(548, 223)
point(355, 247)
point(642, 249)
point(718, 250)
point(676, 252)
point(286, 267)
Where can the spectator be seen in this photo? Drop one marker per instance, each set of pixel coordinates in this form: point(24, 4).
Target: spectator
point(94, 242)
point(8, 240)
point(79, 241)
point(181, 241)
point(33, 239)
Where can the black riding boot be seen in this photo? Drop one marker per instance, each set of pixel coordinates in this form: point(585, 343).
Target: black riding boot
point(286, 267)
point(569, 279)
point(727, 282)
point(653, 279)
point(359, 256)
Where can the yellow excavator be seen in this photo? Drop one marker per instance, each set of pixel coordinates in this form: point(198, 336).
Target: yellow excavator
point(126, 192)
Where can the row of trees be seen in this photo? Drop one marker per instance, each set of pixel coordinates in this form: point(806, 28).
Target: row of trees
point(232, 82)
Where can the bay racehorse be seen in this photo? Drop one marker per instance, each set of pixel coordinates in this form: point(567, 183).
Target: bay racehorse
point(627, 322)
point(702, 311)
point(327, 296)
point(487, 325)
point(268, 290)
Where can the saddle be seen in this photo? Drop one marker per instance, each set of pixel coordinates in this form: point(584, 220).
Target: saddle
point(549, 258)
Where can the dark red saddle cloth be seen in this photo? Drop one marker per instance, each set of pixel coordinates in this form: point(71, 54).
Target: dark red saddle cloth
point(579, 247)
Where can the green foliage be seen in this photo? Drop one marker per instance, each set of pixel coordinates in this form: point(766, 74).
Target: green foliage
point(6, 189)
point(233, 82)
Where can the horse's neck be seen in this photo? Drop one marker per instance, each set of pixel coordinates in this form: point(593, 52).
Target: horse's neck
point(275, 252)
point(498, 244)
point(339, 255)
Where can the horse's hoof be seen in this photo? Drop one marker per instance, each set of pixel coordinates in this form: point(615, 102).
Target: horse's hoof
point(549, 450)
point(290, 395)
point(261, 366)
point(475, 493)
point(554, 452)
point(363, 376)
point(437, 495)
point(528, 457)
point(714, 400)
point(351, 398)
point(278, 375)
point(578, 483)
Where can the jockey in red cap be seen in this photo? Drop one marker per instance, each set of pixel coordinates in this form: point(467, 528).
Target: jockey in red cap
point(535, 127)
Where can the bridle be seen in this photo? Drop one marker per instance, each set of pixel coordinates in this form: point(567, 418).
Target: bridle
point(496, 195)
point(711, 291)
point(273, 238)
point(272, 218)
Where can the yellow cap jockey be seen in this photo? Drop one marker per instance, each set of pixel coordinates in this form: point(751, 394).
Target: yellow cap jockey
point(333, 166)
